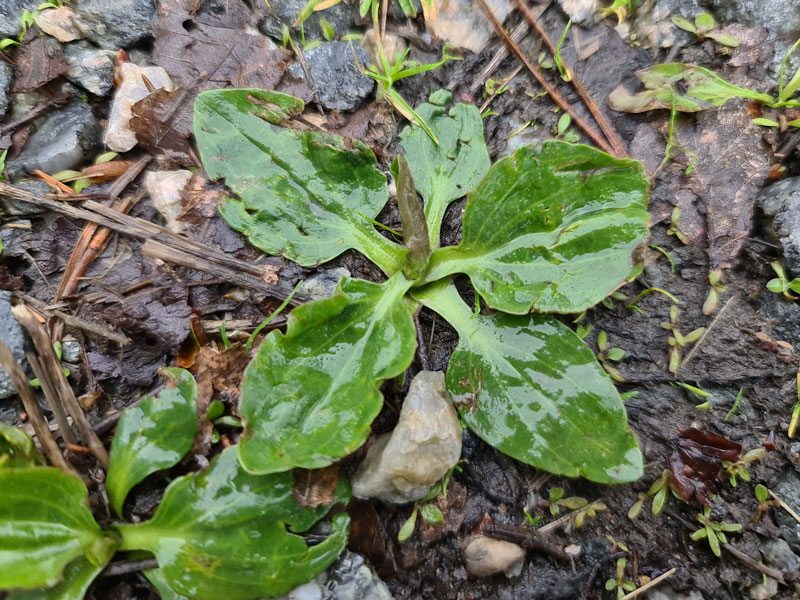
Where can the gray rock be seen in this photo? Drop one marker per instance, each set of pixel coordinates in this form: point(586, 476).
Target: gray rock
point(653, 25)
point(778, 16)
point(114, 24)
point(349, 578)
point(13, 336)
point(13, 207)
point(403, 465)
point(781, 201)
point(10, 14)
point(788, 490)
point(323, 285)
point(764, 590)
point(5, 86)
point(665, 592)
point(340, 84)
point(776, 553)
point(66, 139)
point(60, 23)
point(582, 12)
point(339, 16)
point(90, 67)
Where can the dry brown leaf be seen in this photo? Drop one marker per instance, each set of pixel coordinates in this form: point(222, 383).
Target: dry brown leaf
point(315, 487)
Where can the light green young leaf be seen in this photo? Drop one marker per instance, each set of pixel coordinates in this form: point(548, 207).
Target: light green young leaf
point(153, 435)
point(158, 581)
point(17, 448)
point(684, 24)
point(450, 170)
point(45, 525)
point(765, 122)
point(309, 396)
point(223, 533)
point(78, 576)
point(703, 89)
point(551, 228)
point(704, 22)
point(432, 514)
point(724, 39)
point(298, 192)
point(532, 389)
point(408, 527)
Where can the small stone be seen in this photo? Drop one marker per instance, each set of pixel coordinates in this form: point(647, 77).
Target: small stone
point(114, 24)
point(351, 578)
point(487, 556)
point(90, 67)
point(119, 136)
point(65, 140)
point(165, 189)
point(765, 590)
point(788, 490)
point(340, 16)
point(13, 336)
point(5, 86)
point(665, 592)
point(776, 553)
point(70, 350)
point(323, 285)
point(60, 23)
point(463, 24)
point(403, 465)
point(336, 76)
point(11, 13)
point(14, 207)
point(781, 201)
point(582, 12)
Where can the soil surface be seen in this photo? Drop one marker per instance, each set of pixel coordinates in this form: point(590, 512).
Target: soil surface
point(728, 161)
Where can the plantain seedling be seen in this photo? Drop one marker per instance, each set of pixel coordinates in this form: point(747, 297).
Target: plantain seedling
point(764, 502)
point(677, 341)
point(703, 27)
point(781, 284)
point(673, 228)
point(659, 492)
point(738, 469)
point(590, 510)
point(713, 531)
point(619, 583)
point(557, 501)
point(607, 355)
point(715, 280)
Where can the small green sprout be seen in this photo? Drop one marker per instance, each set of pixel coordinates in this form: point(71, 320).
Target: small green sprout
point(530, 519)
point(607, 355)
point(608, 301)
point(781, 284)
point(700, 393)
point(590, 510)
point(677, 341)
point(703, 27)
point(715, 280)
point(658, 491)
point(557, 501)
point(738, 470)
point(764, 503)
point(632, 304)
point(621, 8)
point(223, 334)
point(408, 527)
point(673, 228)
point(619, 583)
point(735, 406)
point(713, 531)
point(563, 69)
point(327, 29)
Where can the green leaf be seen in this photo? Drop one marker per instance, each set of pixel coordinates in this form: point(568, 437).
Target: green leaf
point(563, 122)
point(531, 388)
point(684, 24)
point(298, 192)
point(616, 354)
point(45, 525)
point(765, 122)
point(153, 435)
point(309, 396)
point(713, 542)
point(408, 8)
point(78, 576)
point(408, 527)
point(761, 493)
point(450, 170)
point(223, 533)
point(551, 228)
point(703, 89)
point(724, 39)
point(777, 285)
point(157, 579)
point(327, 29)
point(794, 285)
point(17, 448)
point(704, 22)
point(431, 513)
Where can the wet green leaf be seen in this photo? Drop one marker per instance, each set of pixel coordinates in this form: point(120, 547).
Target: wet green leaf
point(431, 513)
point(223, 533)
point(724, 39)
point(17, 448)
point(309, 396)
point(704, 22)
point(408, 527)
point(684, 24)
point(551, 228)
point(45, 525)
point(153, 435)
point(532, 389)
point(298, 192)
point(78, 576)
point(412, 216)
point(450, 170)
point(703, 89)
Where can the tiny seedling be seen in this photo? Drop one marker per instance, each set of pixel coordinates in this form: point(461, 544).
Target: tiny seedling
point(764, 502)
point(608, 301)
point(590, 511)
point(713, 531)
point(674, 229)
point(677, 341)
point(622, 8)
point(700, 393)
point(425, 507)
point(632, 304)
point(608, 355)
point(563, 69)
point(703, 27)
point(619, 583)
point(556, 501)
point(735, 406)
point(738, 470)
point(659, 492)
point(715, 281)
point(781, 284)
